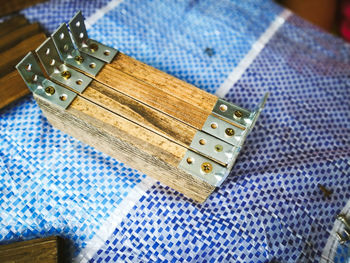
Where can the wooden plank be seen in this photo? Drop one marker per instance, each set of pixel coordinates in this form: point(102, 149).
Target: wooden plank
point(47, 250)
point(132, 144)
point(164, 81)
point(12, 88)
point(139, 113)
point(152, 96)
point(10, 57)
point(11, 24)
point(9, 40)
point(8, 7)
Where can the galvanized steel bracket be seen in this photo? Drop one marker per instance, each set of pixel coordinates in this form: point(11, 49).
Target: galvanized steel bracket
point(72, 56)
point(58, 71)
point(87, 45)
point(34, 78)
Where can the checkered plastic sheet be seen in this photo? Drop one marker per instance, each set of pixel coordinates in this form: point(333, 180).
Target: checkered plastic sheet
point(269, 209)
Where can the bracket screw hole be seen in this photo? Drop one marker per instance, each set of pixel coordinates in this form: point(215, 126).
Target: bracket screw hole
point(213, 125)
point(81, 35)
point(28, 67)
point(79, 82)
point(77, 24)
point(65, 47)
point(190, 160)
point(63, 97)
point(62, 36)
point(93, 47)
point(202, 142)
point(206, 167)
point(66, 74)
point(106, 53)
point(238, 114)
point(52, 62)
point(47, 52)
point(223, 107)
point(92, 65)
point(50, 90)
point(229, 132)
point(34, 77)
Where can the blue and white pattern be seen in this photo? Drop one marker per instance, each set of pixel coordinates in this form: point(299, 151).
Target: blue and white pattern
point(270, 209)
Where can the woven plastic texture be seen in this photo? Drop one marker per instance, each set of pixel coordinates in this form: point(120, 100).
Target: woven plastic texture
point(270, 209)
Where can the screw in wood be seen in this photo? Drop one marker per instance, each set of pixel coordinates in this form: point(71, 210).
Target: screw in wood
point(66, 74)
point(50, 90)
point(206, 167)
point(93, 47)
point(237, 114)
point(229, 132)
point(79, 59)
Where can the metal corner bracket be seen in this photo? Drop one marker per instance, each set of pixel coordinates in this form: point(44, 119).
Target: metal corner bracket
point(58, 71)
point(72, 56)
point(30, 71)
point(87, 45)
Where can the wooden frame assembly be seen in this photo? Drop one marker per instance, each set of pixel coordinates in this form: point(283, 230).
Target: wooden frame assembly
point(184, 137)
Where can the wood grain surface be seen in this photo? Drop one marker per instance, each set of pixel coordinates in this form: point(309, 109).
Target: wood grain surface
point(8, 7)
point(140, 113)
point(46, 250)
point(10, 57)
point(136, 146)
point(12, 24)
point(164, 81)
point(12, 87)
point(16, 35)
point(154, 97)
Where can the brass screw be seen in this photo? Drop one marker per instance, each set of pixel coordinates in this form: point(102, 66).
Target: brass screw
point(50, 90)
point(229, 132)
point(79, 59)
point(206, 167)
point(218, 148)
point(342, 240)
point(93, 47)
point(66, 74)
point(238, 114)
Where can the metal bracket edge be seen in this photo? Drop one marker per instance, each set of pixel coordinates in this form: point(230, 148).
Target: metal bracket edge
point(30, 71)
point(87, 45)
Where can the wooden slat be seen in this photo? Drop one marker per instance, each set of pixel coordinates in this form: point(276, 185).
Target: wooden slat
point(46, 250)
point(164, 81)
point(10, 57)
point(140, 113)
point(8, 7)
point(11, 39)
point(127, 142)
point(12, 87)
point(152, 96)
point(11, 24)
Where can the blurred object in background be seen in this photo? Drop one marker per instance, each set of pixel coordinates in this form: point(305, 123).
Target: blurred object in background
point(8, 7)
point(319, 12)
point(345, 19)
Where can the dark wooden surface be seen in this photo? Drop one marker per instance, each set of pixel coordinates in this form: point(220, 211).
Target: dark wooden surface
point(45, 250)
point(11, 6)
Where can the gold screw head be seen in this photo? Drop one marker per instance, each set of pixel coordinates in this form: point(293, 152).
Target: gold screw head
point(66, 74)
point(50, 90)
point(238, 114)
point(229, 132)
point(93, 47)
point(218, 148)
point(79, 59)
point(206, 167)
